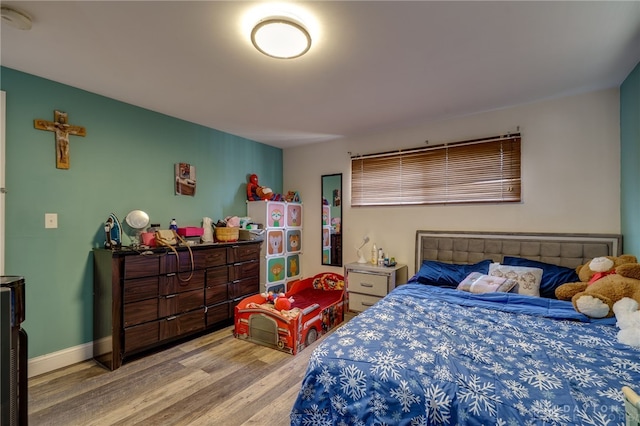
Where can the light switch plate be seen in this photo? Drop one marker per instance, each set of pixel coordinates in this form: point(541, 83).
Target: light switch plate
point(50, 220)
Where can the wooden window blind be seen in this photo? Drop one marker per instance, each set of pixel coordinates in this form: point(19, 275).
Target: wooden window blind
point(479, 171)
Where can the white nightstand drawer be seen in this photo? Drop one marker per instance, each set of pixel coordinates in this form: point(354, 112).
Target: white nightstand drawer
point(360, 302)
point(373, 284)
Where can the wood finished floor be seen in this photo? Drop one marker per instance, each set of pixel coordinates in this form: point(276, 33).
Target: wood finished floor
point(211, 380)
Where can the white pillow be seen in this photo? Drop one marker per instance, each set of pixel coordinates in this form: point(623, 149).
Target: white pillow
point(528, 278)
point(476, 282)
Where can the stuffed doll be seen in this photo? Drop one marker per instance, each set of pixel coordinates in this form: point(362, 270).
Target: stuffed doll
point(279, 300)
point(256, 192)
point(603, 281)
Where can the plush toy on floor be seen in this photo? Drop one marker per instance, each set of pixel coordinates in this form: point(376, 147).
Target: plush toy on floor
point(603, 281)
point(628, 320)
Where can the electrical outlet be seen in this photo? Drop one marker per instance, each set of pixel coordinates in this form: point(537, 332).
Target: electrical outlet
point(50, 220)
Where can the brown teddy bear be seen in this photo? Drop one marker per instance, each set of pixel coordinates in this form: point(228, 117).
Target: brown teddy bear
point(603, 281)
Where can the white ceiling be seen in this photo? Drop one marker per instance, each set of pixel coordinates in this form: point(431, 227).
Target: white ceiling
point(373, 66)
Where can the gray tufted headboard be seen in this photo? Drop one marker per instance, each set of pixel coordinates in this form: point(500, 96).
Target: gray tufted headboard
point(570, 250)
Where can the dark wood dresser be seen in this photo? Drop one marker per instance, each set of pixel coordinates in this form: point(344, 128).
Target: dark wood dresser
point(143, 301)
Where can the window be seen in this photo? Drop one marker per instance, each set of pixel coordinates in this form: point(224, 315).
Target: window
point(480, 171)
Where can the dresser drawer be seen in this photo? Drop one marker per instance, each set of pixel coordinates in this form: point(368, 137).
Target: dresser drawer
point(244, 287)
point(373, 284)
point(141, 266)
point(179, 325)
point(171, 283)
point(140, 289)
point(216, 294)
point(218, 275)
point(218, 313)
point(141, 336)
point(244, 270)
point(139, 312)
point(173, 304)
point(210, 257)
point(241, 253)
point(360, 302)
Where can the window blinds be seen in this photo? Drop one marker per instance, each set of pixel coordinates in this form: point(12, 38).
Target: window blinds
point(485, 171)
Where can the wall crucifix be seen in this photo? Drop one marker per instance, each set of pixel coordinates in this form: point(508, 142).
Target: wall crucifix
point(62, 129)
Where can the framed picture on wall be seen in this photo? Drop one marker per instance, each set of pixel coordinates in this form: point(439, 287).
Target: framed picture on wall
point(185, 175)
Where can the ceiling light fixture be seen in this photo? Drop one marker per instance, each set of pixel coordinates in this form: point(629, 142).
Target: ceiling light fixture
point(15, 19)
point(281, 38)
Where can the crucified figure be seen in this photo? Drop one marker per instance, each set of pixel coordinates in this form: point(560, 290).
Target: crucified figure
point(62, 130)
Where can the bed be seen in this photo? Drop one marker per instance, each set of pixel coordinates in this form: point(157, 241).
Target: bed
point(429, 353)
point(317, 307)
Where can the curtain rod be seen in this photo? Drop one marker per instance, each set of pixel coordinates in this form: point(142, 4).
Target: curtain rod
point(421, 149)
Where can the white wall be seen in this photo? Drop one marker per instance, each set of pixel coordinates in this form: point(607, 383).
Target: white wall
point(570, 177)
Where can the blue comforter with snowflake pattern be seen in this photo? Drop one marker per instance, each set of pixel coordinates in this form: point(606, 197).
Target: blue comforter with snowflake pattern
point(433, 356)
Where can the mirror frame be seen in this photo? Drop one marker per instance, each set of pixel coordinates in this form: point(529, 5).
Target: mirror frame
point(334, 251)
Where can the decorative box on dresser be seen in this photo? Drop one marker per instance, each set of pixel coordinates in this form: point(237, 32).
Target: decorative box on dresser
point(142, 301)
point(366, 283)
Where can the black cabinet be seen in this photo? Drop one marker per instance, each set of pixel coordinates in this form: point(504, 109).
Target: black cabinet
point(13, 352)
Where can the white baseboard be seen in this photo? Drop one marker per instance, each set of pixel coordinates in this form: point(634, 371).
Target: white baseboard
point(53, 361)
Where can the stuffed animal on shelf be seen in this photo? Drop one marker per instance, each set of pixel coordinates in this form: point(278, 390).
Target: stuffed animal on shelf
point(256, 192)
point(603, 282)
point(628, 320)
point(292, 197)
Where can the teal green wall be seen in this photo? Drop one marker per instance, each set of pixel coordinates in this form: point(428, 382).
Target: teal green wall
point(630, 161)
point(125, 162)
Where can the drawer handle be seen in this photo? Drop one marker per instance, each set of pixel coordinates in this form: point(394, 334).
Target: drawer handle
point(366, 285)
point(367, 304)
point(171, 274)
point(169, 296)
point(171, 318)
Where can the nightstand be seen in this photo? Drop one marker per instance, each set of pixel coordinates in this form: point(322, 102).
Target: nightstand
point(366, 284)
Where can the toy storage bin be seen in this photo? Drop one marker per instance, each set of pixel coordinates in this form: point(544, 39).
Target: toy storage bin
point(282, 240)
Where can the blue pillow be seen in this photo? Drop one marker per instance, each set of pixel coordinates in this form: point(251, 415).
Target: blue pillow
point(447, 274)
point(552, 275)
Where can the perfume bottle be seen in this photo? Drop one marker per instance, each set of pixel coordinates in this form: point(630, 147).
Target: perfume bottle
point(374, 254)
point(173, 225)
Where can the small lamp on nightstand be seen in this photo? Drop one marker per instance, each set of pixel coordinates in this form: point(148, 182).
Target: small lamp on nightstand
point(361, 258)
